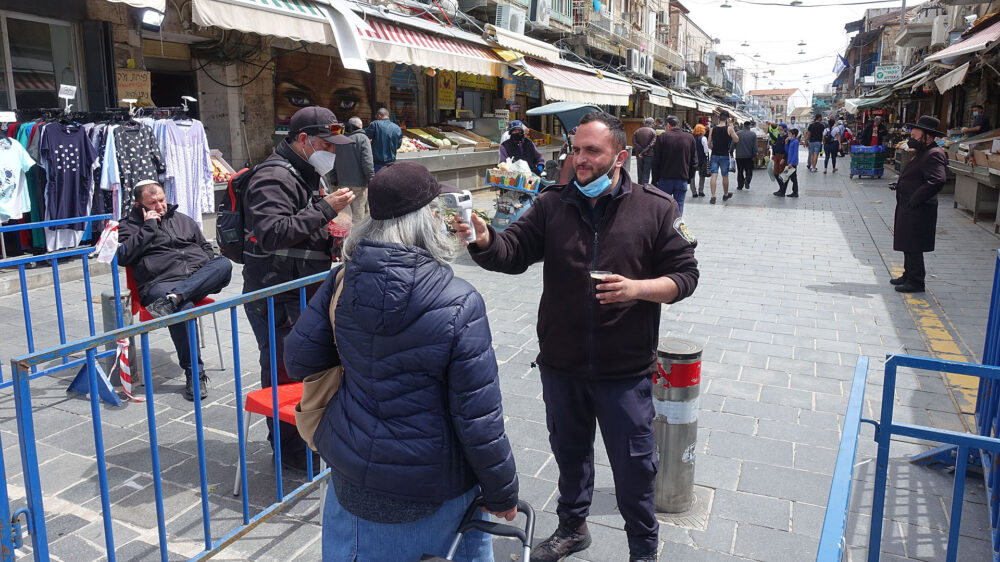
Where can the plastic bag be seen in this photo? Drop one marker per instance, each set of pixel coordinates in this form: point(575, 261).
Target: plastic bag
point(787, 173)
point(107, 245)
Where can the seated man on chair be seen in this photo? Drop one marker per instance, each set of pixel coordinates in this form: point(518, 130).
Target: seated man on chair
point(173, 266)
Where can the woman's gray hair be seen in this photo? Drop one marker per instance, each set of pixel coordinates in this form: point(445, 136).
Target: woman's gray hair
point(421, 228)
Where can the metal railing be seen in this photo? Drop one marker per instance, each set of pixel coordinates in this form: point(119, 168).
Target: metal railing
point(53, 260)
point(34, 510)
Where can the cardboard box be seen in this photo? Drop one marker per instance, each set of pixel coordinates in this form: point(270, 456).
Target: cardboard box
point(994, 161)
point(979, 158)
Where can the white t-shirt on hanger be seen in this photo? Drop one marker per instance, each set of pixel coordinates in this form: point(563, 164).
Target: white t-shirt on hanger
point(14, 165)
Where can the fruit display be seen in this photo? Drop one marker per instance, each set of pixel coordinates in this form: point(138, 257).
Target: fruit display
point(440, 143)
point(410, 145)
point(221, 173)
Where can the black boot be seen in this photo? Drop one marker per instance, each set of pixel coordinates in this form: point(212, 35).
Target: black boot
point(189, 386)
point(571, 536)
point(910, 287)
point(898, 280)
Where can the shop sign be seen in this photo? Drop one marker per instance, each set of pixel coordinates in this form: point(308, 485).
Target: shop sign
point(881, 112)
point(510, 90)
point(446, 89)
point(528, 86)
point(134, 84)
point(515, 107)
point(888, 74)
point(466, 80)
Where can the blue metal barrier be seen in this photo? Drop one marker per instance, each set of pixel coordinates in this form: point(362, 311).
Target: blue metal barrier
point(22, 376)
point(23, 262)
point(831, 544)
point(988, 411)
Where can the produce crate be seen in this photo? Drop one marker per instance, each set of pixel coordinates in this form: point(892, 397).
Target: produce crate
point(482, 143)
point(425, 142)
point(426, 133)
point(459, 141)
point(858, 149)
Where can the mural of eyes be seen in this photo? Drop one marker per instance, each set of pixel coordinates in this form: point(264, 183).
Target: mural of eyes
point(348, 104)
point(298, 99)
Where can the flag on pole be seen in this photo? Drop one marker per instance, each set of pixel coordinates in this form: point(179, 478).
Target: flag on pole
point(840, 65)
point(125, 372)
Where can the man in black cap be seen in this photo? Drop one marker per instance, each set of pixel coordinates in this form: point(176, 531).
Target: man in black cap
point(287, 214)
point(916, 202)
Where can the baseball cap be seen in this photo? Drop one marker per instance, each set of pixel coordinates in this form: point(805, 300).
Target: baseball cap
point(402, 188)
point(318, 122)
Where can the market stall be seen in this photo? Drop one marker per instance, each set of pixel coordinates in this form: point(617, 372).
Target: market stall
point(976, 164)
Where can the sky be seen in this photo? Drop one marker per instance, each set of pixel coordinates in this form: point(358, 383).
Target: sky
point(774, 32)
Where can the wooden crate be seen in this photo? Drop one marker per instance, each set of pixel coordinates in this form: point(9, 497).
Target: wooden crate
point(410, 135)
point(482, 143)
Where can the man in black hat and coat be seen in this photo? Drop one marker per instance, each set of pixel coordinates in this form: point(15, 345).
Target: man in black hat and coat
point(916, 203)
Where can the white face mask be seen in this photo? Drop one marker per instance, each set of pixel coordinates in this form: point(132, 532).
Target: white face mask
point(321, 160)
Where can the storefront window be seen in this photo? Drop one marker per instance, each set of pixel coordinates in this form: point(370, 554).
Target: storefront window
point(403, 96)
point(42, 56)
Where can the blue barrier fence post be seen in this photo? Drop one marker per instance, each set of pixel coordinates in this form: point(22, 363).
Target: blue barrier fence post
point(29, 462)
point(6, 542)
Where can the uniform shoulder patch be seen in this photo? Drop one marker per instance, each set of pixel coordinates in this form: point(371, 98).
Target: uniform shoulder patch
point(681, 228)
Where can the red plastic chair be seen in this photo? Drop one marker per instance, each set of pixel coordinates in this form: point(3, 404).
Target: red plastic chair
point(144, 315)
point(259, 402)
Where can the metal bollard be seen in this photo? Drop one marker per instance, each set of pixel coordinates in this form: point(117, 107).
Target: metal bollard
point(110, 322)
point(675, 397)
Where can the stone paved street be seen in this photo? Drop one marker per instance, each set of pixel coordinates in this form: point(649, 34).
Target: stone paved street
point(792, 291)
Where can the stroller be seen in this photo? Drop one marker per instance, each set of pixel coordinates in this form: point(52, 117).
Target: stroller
point(469, 523)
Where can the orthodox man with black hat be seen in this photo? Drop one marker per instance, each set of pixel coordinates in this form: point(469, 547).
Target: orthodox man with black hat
point(614, 252)
point(287, 218)
point(916, 202)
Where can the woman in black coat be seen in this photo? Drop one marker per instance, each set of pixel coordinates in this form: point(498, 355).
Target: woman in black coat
point(916, 203)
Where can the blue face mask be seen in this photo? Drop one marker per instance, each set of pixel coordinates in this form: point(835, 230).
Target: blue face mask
point(598, 185)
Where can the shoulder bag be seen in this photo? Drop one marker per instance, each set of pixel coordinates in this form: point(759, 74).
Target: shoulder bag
point(318, 388)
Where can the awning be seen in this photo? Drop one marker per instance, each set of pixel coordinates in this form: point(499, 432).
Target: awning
point(706, 107)
point(327, 22)
point(521, 43)
point(952, 79)
point(907, 82)
point(919, 84)
point(852, 105)
point(158, 5)
point(564, 84)
point(392, 43)
point(977, 42)
point(683, 101)
point(659, 96)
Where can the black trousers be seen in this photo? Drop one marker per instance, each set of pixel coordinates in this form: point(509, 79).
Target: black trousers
point(913, 267)
point(744, 172)
point(644, 167)
point(209, 280)
point(624, 409)
point(793, 179)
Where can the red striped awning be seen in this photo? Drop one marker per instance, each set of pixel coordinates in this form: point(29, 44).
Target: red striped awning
point(33, 81)
point(392, 43)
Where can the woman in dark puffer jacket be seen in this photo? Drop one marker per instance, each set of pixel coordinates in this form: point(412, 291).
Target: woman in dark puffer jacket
point(416, 429)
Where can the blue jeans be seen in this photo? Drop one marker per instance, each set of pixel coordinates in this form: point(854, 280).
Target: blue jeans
point(348, 538)
point(676, 189)
point(720, 164)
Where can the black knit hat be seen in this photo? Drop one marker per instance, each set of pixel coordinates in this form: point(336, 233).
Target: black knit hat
point(402, 188)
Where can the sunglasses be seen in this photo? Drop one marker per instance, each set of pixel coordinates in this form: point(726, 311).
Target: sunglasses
point(332, 128)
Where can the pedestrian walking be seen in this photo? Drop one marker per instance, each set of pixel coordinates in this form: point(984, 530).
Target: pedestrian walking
point(598, 331)
point(675, 159)
point(720, 142)
point(416, 429)
point(815, 139)
point(792, 162)
point(919, 183)
point(355, 167)
point(643, 140)
point(289, 239)
point(833, 134)
point(746, 151)
point(702, 143)
point(386, 138)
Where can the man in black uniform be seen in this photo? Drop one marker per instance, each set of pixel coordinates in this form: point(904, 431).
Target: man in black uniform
point(288, 220)
point(598, 337)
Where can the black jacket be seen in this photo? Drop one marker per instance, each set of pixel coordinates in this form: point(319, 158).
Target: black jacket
point(675, 156)
point(159, 251)
point(641, 236)
point(418, 416)
point(916, 201)
point(866, 135)
point(288, 223)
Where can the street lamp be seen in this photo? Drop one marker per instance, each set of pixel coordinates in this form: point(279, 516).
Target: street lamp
point(802, 51)
point(745, 44)
point(796, 2)
point(726, 4)
point(802, 43)
point(756, 56)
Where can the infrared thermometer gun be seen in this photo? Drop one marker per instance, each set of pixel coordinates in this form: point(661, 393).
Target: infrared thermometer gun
point(462, 203)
